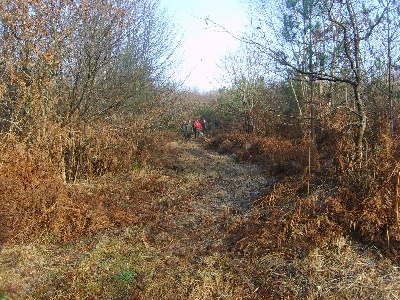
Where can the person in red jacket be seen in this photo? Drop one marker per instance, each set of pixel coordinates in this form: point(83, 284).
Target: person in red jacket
point(197, 128)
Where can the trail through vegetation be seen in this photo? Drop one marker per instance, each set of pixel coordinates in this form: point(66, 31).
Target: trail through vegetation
point(190, 232)
point(227, 183)
point(293, 193)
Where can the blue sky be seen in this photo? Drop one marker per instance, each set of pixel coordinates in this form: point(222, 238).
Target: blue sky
point(203, 47)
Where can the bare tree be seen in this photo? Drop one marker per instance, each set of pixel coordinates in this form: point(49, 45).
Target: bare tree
point(148, 55)
point(29, 64)
point(349, 26)
point(245, 69)
point(386, 52)
point(61, 64)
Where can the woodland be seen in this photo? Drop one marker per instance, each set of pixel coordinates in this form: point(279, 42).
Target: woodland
point(295, 195)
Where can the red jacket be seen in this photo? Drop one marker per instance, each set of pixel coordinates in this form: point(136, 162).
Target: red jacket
point(197, 125)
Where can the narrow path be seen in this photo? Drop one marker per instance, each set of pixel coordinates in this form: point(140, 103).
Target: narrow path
point(179, 243)
point(186, 239)
point(200, 254)
point(226, 182)
point(194, 244)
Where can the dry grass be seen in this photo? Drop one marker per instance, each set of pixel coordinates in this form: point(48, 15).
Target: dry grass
point(184, 226)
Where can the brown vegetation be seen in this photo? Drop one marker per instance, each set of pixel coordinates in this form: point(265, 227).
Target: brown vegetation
point(322, 197)
point(295, 196)
point(180, 225)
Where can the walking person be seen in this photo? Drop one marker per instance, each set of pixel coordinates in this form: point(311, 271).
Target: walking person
point(198, 128)
point(186, 129)
point(204, 125)
point(217, 122)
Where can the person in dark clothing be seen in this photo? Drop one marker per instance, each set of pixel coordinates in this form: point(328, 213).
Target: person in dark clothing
point(217, 122)
point(205, 125)
point(186, 129)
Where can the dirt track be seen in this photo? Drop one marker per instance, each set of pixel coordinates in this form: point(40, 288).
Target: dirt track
point(179, 246)
point(226, 183)
point(195, 241)
point(187, 240)
point(202, 249)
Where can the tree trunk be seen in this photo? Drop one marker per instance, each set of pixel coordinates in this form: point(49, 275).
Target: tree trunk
point(362, 125)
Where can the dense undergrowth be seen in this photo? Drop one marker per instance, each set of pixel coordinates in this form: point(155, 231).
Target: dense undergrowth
point(36, 202)
point(325, 202)
point(319, 231)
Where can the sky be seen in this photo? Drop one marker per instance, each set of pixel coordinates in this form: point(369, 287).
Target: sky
point(204, 46)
